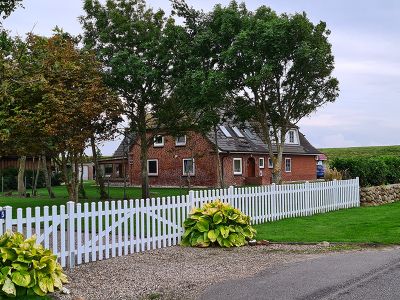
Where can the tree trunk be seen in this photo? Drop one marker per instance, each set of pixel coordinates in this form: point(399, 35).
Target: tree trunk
point(75, 178)
point(82, 191)
point(143, 165)
point(36, 177)
point(220, 171)
point(21, 175)
point(99, 173)
point(143, 152)
point(47, 178)
point(277, 169)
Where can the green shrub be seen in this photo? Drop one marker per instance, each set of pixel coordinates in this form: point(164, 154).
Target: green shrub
point(10, 179)
point(26, 268)
point(217, 223)
point(371, 170)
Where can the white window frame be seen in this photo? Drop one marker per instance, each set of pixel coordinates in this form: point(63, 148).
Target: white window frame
point(241, 166)
point(261, 165)
point(270, 163)
point(155, 144)
point(290, 160)
point(180, 143)
point(291, 135)
point(183, 167)
point(148, 168)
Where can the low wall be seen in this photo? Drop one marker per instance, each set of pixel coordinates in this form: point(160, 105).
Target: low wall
point(378, 195)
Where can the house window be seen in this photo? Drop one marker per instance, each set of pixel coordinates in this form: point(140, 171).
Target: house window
point(159, 141)
point(270, 163)
point(291, 136)
point(237, 166)
point(180, 140)
point(108, 170)
point(288, 165)
point(237, 132)
point(152, 167)
point(188, 167)
point(225, 131)
point(261, 163)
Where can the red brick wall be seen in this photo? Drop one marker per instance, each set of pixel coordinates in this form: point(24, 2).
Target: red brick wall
point(170, 161)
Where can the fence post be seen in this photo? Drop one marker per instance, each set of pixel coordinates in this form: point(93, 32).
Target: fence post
point(335, 194)
point(191, 200)
point(71, 233)
point(358, 191)
point(8, 219)
point(231, 191)
point(273, 203)
point(308, 199)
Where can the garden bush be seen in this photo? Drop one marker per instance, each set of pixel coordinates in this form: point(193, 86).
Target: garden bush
point(10, 179)
point(26, 268)
point(371, 170)
point(217, 223)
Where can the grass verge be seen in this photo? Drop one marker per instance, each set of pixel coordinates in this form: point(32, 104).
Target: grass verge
point(379, 224)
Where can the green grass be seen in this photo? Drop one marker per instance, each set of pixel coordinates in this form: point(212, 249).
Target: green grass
point(380, 224)
point(361, 151)
point(116, 193)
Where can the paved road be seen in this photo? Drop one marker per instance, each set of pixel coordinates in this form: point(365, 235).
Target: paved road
point(367, 275)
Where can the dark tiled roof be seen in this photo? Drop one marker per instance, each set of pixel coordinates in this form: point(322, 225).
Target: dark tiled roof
point(251, 142)
point(124, 147)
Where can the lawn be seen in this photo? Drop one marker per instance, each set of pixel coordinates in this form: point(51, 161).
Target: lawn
point(361, 151)
point(380, 224)
point(116, 193)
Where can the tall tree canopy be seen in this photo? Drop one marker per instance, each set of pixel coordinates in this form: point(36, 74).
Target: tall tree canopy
point(277, 68)
point(57, 103)
point(137, 47)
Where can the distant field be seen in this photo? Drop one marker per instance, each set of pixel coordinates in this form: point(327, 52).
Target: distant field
point(361, 151)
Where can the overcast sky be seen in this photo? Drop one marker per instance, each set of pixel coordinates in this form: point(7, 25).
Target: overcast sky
point(366, 42)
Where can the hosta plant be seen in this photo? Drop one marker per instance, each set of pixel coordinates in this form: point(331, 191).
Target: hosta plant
point(26, 268)
point(217, 223)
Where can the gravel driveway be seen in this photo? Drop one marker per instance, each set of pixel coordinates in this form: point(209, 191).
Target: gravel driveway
point(177, 272)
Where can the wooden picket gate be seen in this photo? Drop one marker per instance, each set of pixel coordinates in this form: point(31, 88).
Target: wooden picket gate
point(81, 233)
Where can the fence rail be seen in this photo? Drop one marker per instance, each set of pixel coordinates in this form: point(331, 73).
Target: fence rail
point(80, 233)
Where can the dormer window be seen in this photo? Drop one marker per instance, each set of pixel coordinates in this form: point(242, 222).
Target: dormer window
point(180, 140)
point(291, 137)
point(158, 141)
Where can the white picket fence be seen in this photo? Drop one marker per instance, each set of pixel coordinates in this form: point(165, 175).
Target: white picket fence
point(80, 233)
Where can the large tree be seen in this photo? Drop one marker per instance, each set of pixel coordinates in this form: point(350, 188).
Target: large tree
point(280, 70)
point(275, 69)
point(137, 47)
point(58, 103)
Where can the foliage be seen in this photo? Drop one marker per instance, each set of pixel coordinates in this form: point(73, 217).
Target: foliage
point(10, 179)
point(217, 223)
point(54, 101)
point(8, 6)
point(331, 174)
point(374, 224)
point(371, 170)
point(26, 268)
point(138, 48)
point(370, 151)
point(274, 69)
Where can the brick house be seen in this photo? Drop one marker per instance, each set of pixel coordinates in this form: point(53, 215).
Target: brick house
point(191, 159)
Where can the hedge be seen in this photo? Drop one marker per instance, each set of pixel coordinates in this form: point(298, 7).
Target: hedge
point(372, 171)
point(10, 181)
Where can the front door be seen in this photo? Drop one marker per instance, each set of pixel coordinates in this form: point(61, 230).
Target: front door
point(251, 167)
